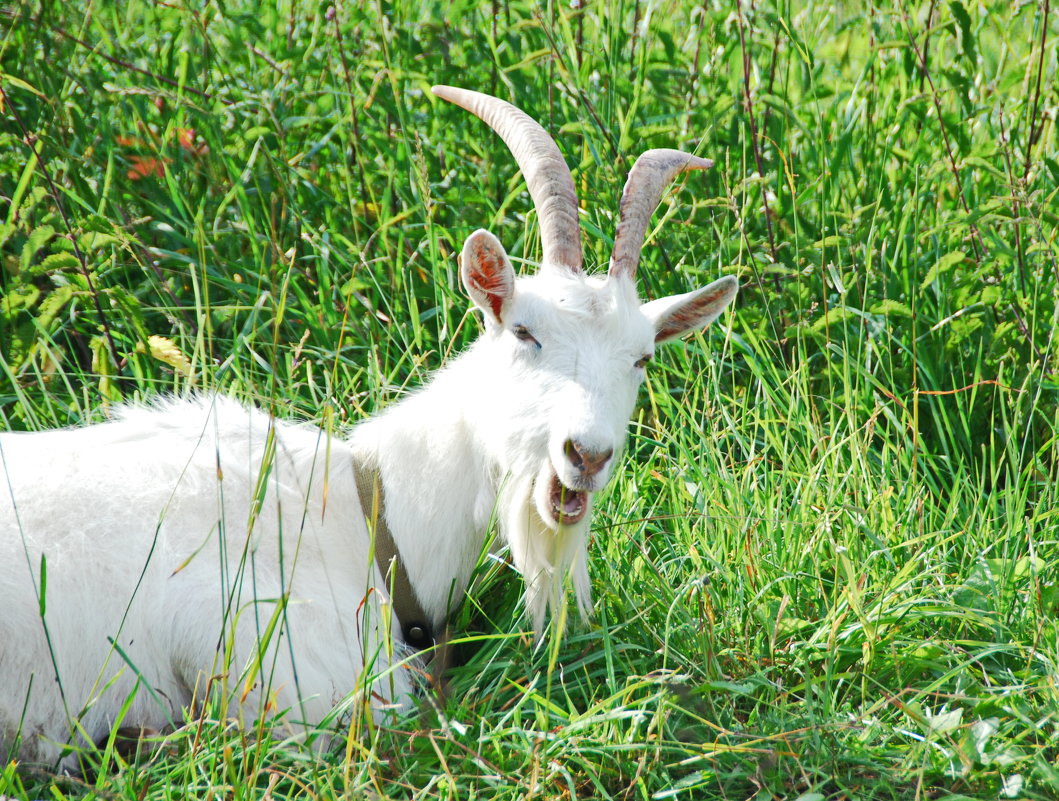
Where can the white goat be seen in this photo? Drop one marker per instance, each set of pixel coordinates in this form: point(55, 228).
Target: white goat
point(142, 558)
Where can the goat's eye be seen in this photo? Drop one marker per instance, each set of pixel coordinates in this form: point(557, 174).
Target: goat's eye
point(523, 335)
point(643, 360)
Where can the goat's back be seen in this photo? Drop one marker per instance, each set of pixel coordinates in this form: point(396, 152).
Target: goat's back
point(191, 540)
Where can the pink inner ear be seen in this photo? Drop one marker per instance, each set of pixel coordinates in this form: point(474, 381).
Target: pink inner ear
point(496, 303)
point(676, 324)
point(688, 316)
point(488, 275)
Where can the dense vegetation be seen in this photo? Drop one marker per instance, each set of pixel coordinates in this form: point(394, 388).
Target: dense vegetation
point(829, 567)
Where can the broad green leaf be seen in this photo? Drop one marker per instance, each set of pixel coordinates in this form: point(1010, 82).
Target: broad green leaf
point(165, 350)
point(18, 299)
point(93, 240)
point(60, 261)
point(892, 307)
point(941, 266)
point(833, 316)
point(53, 303)
point(37, 239)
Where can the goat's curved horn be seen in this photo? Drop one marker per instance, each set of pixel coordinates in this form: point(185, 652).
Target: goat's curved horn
point(547, 176)
point(648, 179)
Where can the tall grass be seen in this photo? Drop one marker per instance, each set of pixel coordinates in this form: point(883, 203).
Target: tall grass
point(828, 566)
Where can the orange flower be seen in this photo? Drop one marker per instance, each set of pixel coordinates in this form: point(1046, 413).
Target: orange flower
point(144, 166)
point(189, 140)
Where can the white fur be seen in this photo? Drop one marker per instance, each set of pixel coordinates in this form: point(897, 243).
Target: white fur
point(163, 532)
point(175, 531)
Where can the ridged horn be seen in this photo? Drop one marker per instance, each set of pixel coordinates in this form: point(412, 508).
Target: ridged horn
point(648, 179)
point(547, 176)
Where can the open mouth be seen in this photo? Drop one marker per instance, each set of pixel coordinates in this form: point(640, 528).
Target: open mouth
point(568, 505)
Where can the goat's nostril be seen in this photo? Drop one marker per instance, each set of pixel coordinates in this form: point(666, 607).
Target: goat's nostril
point(587, 462)
point(573, 454)
point(594, 461)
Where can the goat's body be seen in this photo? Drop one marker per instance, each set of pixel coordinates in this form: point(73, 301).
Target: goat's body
point(149, 555)
point(162, 532)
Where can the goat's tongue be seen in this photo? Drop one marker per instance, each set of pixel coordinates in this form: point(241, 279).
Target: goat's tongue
point(568, 505)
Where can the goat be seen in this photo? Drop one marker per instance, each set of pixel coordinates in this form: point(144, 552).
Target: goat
point(198, 546)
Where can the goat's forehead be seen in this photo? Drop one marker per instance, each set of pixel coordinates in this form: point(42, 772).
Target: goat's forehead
point(586, 312)
point(580, 300)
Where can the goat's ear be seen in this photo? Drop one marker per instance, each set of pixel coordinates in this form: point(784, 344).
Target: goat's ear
point(678, 314)
point(487, 274)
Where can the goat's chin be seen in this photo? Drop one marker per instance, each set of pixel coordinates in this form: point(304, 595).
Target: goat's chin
point(558, 504)
point(546, 552)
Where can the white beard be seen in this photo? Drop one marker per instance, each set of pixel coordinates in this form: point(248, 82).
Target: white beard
point(545, 553)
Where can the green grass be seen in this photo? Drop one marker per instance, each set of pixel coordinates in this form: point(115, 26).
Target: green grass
point(829, 565)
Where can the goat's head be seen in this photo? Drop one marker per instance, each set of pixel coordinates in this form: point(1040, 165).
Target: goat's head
point(568, 349)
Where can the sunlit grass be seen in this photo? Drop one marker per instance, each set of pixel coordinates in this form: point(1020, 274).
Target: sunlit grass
point(827, 567)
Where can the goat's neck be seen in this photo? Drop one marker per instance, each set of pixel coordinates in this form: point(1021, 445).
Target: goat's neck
point(439, 483)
